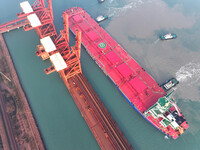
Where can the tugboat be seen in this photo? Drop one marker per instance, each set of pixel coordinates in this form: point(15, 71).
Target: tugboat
point(169, 84)
point(168, 36)
point(101, 1)
point(101, 18)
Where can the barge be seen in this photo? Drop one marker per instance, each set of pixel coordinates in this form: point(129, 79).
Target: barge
point(136, 85)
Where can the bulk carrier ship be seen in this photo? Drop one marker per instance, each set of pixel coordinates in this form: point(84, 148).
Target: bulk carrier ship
point(136, 85)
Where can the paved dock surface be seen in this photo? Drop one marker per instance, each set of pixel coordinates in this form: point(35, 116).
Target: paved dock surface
point(34, 132)
point(12, 143)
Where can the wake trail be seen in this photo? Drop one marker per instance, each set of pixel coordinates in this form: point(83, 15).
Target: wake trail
point(114, 10)
point(156, 41)
point(189, 73)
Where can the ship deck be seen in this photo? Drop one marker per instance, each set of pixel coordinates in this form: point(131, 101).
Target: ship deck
point(138, 87)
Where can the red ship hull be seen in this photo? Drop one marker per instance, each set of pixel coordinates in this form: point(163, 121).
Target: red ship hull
point(136, 85)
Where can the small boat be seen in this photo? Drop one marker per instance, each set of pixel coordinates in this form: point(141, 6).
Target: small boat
point(168, 36)
point(101, 18)
point(101, 1)
point(169, 84)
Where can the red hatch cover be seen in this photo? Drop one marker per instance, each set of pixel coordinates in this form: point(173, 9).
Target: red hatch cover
point(124, 70)
point(138, 84)
point(112, 57)
point(92, 35)
point(77, 18)
point(84, 26)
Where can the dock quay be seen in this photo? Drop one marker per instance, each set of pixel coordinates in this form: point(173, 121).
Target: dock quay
point(8, 126)
point(27, 124)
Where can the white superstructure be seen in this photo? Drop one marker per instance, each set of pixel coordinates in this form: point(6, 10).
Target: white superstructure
point(32, 18)
point(58, 61)
point(48, 44)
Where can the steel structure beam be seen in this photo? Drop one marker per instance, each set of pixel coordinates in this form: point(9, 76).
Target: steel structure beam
point(71, 57)
point(45, 16)
point(47, 28)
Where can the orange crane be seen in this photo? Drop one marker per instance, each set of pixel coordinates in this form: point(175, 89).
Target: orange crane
point(40, 18)
point(71, 57)
point(66, 61)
